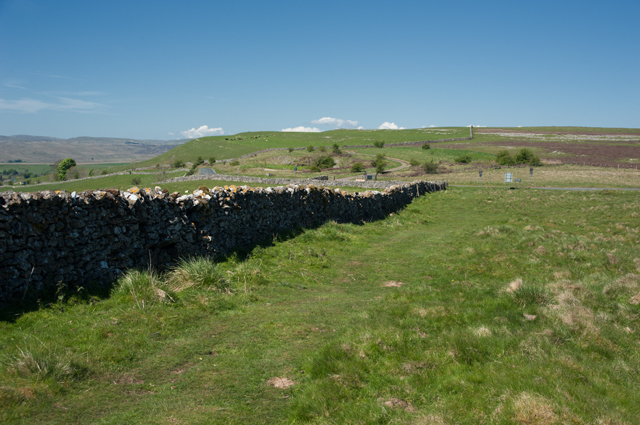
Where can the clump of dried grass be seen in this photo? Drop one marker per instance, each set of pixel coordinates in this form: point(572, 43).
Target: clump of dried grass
point(513, 286)
point(482, 331)
point(534, 410)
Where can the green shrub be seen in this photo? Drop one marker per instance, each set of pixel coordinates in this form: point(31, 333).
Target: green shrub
point(90, 173)
point(357, 167)
point(104, 172)
point(234, 163)
point(178, 163)
point(310, 148)
point(336, 149)
point(526, 156)
point(505, 158)
point(322, 149)
point(198, 161)
point(378, 144)
point(315, 168)
point(136, 181)
point(464, 159)
point(414, 162)
point(426, 146)
point(212, 160)
point(291, 149)
point(430, 167)
point(324, 161)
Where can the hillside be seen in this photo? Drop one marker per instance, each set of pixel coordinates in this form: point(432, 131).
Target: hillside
point(225, 147)
point(43, 149)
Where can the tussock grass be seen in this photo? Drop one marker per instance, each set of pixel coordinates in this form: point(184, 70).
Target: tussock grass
point(197, 272)
point(38, 362)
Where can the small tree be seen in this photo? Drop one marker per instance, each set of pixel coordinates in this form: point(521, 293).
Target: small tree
point(64, 165)
point(336, 149)
point(426, 146)
point(310, 148)
point(178, 163)
point(90, 173)
point(322, 149)
point(290, 149)
point(378, 144)
point(198, 161)
point(379, 161)
point(136, 181)
point(212, 160)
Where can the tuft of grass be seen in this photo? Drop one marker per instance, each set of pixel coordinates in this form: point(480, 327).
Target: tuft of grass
point(145, 288)
point(41, 362)
point(527, 295)
point(197, 272)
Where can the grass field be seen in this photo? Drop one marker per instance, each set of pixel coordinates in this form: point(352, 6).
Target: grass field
point(221, 148)
point(470, 306)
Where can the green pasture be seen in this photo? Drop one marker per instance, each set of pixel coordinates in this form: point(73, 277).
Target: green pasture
point(121, 182)
point(221, 148)
point(22, 167)
point(470, 306)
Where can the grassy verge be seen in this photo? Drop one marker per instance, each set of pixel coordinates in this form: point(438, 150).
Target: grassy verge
point(470, 306)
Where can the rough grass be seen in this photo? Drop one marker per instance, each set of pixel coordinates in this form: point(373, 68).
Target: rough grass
point(485, 327)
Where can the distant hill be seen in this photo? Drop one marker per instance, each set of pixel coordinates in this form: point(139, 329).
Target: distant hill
point(44, 149)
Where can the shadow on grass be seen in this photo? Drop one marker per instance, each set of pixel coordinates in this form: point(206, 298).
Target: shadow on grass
point(63, 294)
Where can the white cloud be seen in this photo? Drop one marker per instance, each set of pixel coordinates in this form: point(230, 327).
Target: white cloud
point(202, 131)
point(337, 122)
point(477, 126)
point(302, 129)
point(389, 126)
point(33, 105)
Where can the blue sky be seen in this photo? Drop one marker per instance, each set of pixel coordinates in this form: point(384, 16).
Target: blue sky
point(166, 69)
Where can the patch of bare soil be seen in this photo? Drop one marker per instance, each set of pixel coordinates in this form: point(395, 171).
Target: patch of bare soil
point(392, 284)
point(281, 383)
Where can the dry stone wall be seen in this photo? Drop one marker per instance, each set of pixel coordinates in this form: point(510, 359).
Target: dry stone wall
point(50, 237)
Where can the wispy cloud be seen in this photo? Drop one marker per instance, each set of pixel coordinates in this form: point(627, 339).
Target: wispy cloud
point(62, 104)
point(389, 126)
point(336, 122)
point(202, 131)
point(64, 77)
point(302, 129)
point(14, 84)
